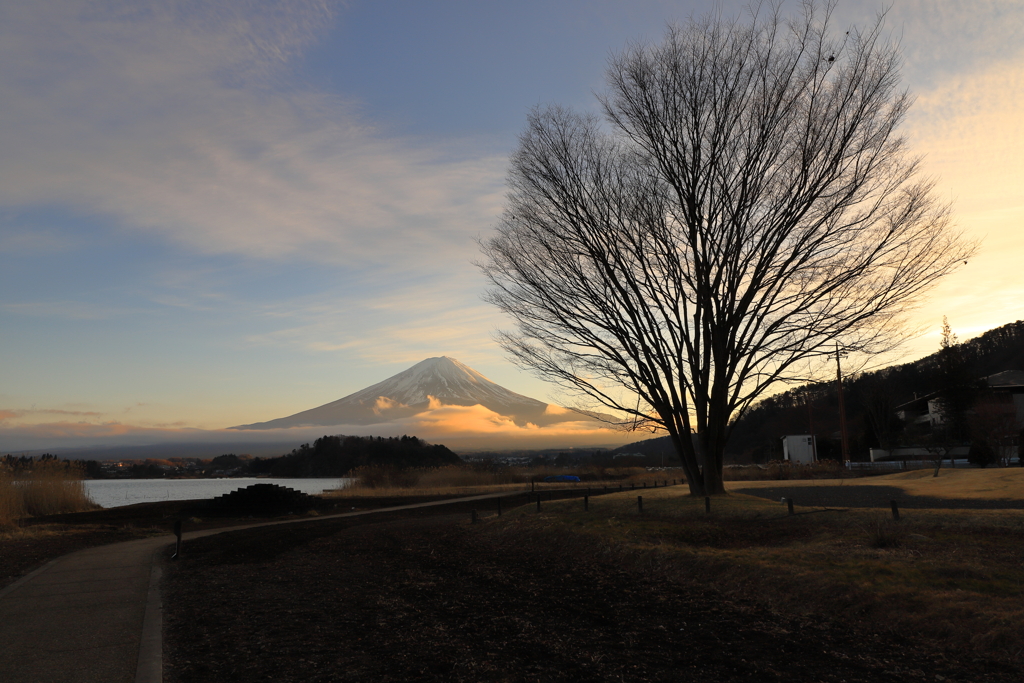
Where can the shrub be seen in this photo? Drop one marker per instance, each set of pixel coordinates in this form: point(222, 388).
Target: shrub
point(12, 506)
point(781, 469)
point(981, 454)
point(886, 534)
point(385, 477)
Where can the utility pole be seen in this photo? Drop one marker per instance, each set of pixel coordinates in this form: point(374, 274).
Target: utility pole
point(842, 408)
point(810, 425)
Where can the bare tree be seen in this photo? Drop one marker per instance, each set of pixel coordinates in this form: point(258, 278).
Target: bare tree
point(745, 204)
point(958, 386)
point(993, 422)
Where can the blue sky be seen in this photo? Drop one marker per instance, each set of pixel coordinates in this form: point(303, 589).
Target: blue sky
point(224, 213)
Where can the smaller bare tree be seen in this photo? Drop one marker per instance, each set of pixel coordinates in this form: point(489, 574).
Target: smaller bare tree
point(993, 421)
point(957, 392)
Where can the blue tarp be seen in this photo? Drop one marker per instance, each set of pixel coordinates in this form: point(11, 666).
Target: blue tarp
point(562, 477)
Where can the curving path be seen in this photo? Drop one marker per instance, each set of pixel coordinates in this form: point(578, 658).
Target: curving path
point(94, 616)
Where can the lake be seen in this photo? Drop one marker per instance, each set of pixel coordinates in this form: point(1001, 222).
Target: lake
point(112, 493)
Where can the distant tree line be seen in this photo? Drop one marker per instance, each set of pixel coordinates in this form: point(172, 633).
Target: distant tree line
point(25, 463)
point(88, 469)
point(328, 456)
point(336, 456)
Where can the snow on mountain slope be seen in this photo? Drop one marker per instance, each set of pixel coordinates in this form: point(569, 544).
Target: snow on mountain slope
point(445, 379)
point(408, 393)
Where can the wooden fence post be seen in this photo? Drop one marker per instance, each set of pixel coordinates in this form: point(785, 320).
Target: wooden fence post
point(640, 504)
point(895, 510)
point(177, 544)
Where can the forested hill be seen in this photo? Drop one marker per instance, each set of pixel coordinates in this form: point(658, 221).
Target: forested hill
point(994, 351)
point(336, 456)
point(871, 402)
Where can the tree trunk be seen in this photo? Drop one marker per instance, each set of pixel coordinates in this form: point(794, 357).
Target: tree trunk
point(688, 457)
point(713, 481)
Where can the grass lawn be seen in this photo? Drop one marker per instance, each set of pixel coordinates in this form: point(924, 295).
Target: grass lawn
point(991, 483)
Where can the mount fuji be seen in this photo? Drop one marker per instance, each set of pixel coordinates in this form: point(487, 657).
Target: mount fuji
point(429, 384)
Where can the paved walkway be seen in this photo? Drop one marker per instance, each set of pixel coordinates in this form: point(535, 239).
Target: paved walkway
point(78, 618)
point(94, 616)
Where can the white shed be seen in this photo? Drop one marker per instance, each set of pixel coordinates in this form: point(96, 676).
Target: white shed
point(799, 449)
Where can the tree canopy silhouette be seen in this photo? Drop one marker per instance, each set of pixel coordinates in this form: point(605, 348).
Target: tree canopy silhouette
point(745, 204)
point(337, 456)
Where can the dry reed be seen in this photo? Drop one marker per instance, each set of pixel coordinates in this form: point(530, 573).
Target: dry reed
point(781, 470)
point(11, 505)
point(470, 479)
point(46, 487)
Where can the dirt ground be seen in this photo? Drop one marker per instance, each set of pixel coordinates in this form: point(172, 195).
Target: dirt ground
point(41, 539)
point(438, 599)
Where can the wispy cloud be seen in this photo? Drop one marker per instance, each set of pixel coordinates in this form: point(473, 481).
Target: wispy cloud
point(941, 39)
point(444, 314)
point(23, 240)
point(968, 127)
point(65, 434)
point(177, 118)
point(68, 310)
point(36, 412)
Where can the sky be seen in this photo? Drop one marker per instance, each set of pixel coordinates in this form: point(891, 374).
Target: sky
point(223, 213)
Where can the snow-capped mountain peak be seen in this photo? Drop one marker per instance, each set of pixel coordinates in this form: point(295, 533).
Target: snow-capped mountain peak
point(443, 379)
point(447, 380)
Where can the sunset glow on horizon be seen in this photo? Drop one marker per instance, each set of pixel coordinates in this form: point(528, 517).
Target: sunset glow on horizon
point(219, 215)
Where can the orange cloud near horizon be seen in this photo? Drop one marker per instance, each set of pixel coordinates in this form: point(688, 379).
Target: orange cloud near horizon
point(460, 427)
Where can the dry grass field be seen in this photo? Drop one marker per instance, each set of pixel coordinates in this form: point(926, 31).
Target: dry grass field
point(991, 483)
point(746, 592)
point(952, 576)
